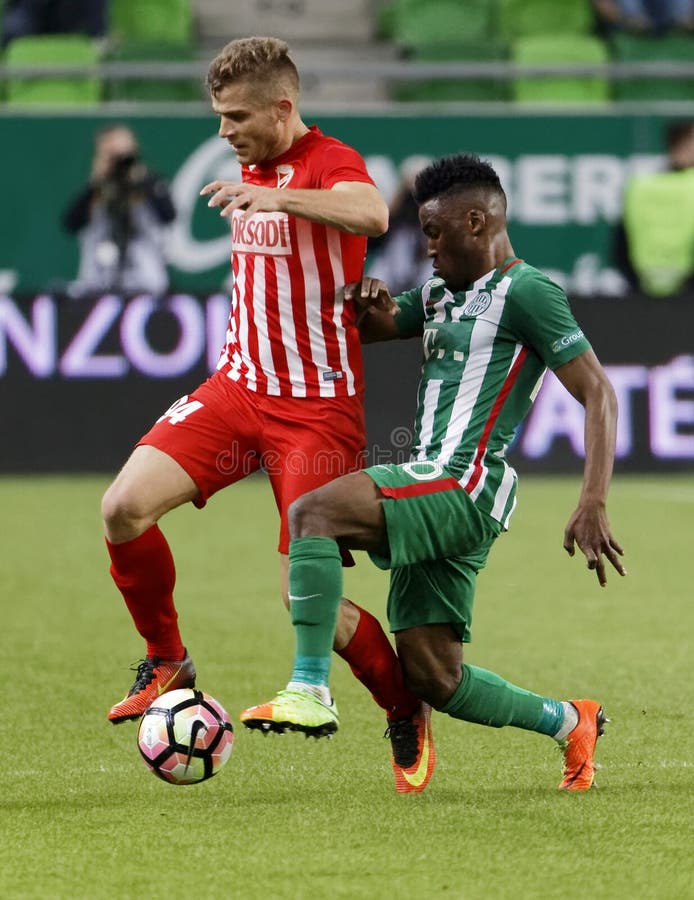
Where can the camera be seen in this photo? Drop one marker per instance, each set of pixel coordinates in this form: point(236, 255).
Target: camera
point(122, 166)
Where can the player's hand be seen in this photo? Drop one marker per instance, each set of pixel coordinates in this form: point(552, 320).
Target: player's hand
point(251, 198)
point(370, 293)
point(102, 165)
point(589, 530)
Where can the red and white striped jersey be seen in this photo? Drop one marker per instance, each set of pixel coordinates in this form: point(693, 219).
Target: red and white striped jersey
point(290, 334)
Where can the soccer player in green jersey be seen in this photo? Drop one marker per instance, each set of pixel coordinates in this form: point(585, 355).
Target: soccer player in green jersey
point(491, 325)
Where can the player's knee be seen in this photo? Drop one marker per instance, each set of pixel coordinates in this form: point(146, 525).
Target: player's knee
point(435, 688)
point(308, 516)
point(122, 513)
point(109, 506)
point(430, 679)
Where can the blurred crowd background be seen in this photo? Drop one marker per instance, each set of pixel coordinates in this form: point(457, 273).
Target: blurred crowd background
point(330, 35)
point(572, 100)
point(114, 274)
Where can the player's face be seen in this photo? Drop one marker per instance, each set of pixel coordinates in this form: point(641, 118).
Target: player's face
point(254, 129)
point(451, 244)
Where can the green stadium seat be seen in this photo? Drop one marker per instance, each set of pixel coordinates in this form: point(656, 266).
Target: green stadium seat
point(523, 18)
point(668, 48)
point(153, 89)
point(427, 23)
point(385, 20)
point(447, 31)
point(463, 89)
point(570, 49)
point(47, 51)
point(168, 21)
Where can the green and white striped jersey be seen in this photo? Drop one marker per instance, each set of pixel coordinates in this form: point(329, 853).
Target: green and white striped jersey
point(486, 351)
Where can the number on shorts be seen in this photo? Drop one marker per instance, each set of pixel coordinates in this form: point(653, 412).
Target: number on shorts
point(423, 470)
point(180, 410)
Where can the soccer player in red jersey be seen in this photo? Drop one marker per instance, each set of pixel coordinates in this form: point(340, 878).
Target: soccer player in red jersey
point(288, 389)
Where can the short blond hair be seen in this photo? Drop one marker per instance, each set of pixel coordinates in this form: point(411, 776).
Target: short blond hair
point(262, 60)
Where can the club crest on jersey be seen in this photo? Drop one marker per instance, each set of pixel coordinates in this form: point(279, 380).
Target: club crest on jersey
point(285, 174)
point(479, 303)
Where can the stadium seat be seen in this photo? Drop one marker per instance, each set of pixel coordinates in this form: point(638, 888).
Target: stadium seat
point(447, 31)
point(559, 48)
point(153, 89)
point(668, 48)
point(462, 89)
point(168, 21)
point(385, 20)
point(523, 18)
point(47, 51)
point(426, 23)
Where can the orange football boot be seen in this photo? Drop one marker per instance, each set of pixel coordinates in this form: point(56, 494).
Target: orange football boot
point(579, 746)
point(154, 677)
point(414, 755)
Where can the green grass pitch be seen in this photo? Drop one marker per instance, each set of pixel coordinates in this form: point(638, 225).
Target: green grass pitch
point(290, 818)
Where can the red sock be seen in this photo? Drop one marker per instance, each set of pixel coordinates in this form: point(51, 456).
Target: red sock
point(371, 657)
point(144, 572)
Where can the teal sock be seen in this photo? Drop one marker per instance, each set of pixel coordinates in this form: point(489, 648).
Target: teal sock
point(315, 590)
point(487, 699)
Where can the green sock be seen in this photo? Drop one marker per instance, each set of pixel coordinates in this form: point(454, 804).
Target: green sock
point(487, 699)
point(315, 590)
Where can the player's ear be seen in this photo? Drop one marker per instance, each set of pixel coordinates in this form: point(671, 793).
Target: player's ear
point(284, 109)
point(477, 220)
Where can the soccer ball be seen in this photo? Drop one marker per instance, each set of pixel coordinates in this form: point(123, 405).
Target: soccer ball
point(185, 736)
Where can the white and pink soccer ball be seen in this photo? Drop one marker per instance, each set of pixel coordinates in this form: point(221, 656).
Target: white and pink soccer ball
point(185, 736)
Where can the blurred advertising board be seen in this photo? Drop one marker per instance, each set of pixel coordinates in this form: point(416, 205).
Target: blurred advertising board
point(81, 381)
point(564, 175)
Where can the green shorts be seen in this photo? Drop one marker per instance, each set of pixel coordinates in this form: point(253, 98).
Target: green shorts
point(438, 540)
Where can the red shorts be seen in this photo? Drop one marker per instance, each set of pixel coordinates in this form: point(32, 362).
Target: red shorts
point(223, 432)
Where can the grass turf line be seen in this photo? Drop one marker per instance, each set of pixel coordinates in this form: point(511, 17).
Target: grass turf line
point(289, 818)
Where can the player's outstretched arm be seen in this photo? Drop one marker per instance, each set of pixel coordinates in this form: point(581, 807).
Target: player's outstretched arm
point(588, 527)
point(376, 310)
point(353, 206)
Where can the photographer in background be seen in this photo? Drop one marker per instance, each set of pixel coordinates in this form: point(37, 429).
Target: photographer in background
point(653, 245)
point(119, 218)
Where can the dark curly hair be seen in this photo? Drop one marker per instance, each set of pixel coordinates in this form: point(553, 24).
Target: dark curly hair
point(452, 174)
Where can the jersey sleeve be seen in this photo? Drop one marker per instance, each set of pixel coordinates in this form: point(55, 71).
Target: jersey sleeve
point(543, 320)
point(410, 316)
point(338, 162)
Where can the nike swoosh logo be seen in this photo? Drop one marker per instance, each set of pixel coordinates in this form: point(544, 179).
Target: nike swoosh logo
point(417, 777)
point(197, 727)
point(163, 688)
point(578, 774)
point(307, 597)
